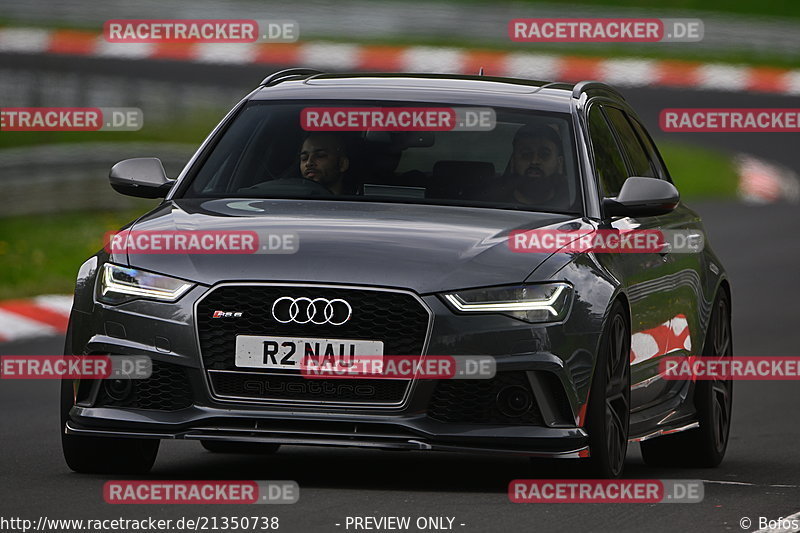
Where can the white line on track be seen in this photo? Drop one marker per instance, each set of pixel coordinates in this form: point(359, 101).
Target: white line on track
point(750, 484)
point(791, 520)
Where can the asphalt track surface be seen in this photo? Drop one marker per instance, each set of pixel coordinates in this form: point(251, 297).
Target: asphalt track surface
point(760, 476)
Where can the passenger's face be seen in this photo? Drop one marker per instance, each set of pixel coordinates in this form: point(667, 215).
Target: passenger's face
point(321, 161)
point(536, 157)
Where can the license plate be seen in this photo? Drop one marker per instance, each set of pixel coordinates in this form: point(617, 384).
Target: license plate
point(256, 351)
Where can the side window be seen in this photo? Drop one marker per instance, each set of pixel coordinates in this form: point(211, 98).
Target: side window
point(637, 157)
point(652, 151)
point(609, 164)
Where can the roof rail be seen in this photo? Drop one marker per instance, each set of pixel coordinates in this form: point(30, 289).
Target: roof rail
point(583, 86)
point(287, 73)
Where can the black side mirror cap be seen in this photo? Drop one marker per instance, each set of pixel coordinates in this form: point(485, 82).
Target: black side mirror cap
point(642, 197)
point(143, 177)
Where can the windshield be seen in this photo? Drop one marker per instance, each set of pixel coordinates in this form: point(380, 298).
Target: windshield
point(394, 152)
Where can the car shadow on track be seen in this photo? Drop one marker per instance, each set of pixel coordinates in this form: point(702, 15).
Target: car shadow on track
point(378, 470)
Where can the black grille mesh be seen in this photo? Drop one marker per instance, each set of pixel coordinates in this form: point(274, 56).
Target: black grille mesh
point(397, 319)
point(475, 400)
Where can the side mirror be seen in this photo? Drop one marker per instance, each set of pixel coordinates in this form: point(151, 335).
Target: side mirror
point(642, 197)
point(143, 177)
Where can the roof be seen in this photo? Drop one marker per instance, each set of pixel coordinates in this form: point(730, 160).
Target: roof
point(460, 89)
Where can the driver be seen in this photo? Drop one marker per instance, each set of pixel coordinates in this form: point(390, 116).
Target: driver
point(323, 159)
point(535, 172)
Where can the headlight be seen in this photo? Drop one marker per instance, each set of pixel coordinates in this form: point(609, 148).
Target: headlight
point(119, 284)
point(548, 302)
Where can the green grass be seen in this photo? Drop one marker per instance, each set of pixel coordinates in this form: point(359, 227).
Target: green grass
point(655, 51)
point(699, 172)
point(500, 42)
point(770, 8)
point(773, 8)
point(41, 254)
point(192, 130)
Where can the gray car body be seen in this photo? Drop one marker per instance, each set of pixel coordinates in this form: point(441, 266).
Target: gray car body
point(424, 250)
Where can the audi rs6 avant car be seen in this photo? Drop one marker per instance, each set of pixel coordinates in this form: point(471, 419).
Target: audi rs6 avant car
point(402, 242)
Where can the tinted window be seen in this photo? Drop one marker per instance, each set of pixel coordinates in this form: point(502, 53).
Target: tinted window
point(525, 160)
point(652, 151)
point(640, 164)
point(609, 165)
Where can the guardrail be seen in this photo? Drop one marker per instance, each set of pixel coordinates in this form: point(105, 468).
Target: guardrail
point(68, 177)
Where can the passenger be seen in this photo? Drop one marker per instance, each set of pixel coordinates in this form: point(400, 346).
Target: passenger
point(535, 172)
point(323, 158)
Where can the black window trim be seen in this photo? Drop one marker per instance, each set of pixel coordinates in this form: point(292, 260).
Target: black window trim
point(655, 151)
point(600, 104)
point(621, 144)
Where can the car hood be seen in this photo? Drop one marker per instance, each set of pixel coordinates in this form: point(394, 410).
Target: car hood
point(419, 247)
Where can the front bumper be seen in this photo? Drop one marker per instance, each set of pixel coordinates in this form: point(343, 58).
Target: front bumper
point(382, 432)
point(557, 362)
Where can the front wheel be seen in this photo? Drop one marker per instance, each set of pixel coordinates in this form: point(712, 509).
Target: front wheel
point(608, 413)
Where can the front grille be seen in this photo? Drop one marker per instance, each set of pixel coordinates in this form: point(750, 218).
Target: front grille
point(474, 401)
point(287, 387)
point(399, 320)
point(167, 389)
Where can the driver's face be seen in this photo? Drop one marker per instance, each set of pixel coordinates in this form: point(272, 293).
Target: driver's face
point(536, 157)
point(321, 160)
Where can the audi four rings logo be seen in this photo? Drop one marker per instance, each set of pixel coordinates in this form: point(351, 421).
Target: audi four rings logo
point(316, 311)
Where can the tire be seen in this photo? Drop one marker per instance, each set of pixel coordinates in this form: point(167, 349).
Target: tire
point(608, 413)
point(704, 446)
point(103, 455)
point(216, 446)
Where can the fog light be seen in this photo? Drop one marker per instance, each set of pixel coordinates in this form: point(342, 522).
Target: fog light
point(514, 401)
point(118, 389)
